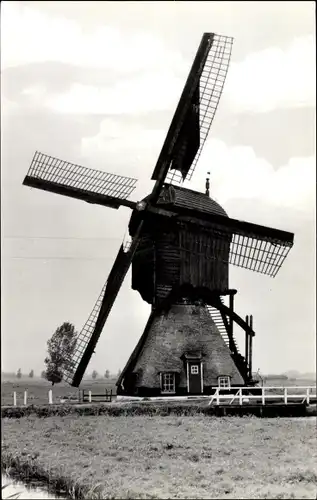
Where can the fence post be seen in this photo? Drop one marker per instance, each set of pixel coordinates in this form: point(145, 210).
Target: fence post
point(50, 397)
point(14, 398)
point(263, 395)
point(307, 395)
point(25, 401)
point(285, 395)
point(89, 396)
point(240, 397)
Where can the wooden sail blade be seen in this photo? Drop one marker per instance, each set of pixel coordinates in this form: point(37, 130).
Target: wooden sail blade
point(67, 179)
point(209, 90)
point(170, 144)
point(93, 327)
point(195, 111)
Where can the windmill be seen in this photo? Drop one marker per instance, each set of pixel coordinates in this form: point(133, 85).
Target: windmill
point(182, 243)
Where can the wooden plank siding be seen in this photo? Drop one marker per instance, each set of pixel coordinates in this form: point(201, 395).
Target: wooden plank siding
point(143, 268)
point(167, 263)
point(203, 259)
point(179, 253)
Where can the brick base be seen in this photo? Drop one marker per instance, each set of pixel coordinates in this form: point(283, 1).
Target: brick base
point(185, 328)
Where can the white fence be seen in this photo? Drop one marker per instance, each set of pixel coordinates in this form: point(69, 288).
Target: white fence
point(25, 398)
point(231, 396)
point(243, 395)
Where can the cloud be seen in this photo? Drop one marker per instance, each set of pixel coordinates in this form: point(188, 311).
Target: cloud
point(145, 66)
point(274, 78)
point(8, 107)
point(236, 172)
point(155, 91)
point(150, 74)
point(31, 36)
point(125, 148)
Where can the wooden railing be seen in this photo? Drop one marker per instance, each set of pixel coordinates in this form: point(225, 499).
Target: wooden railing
point(89, 397)
point(262, 395)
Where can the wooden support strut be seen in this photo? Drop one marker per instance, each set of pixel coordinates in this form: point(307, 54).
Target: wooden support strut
point(250, 347)
point(232, 346)
point(246, 354)
point(231, 306)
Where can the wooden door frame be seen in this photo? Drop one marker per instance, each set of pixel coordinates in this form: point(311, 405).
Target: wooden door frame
point(198, 362)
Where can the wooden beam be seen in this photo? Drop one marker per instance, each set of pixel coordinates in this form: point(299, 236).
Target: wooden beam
point(246, 352)
point(250, 346)
point(228, 324)
point(231, 305)
point(79, 194)
point(235, 226)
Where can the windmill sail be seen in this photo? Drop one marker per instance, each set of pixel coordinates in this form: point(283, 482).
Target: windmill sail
point(92, 329)
point(68, 179)
point(209, 92)
point(188, 142)
point(252, 246)
point(84, 337)
point(261, 254)
point(196, 110)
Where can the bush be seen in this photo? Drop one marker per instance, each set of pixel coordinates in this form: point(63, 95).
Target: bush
point(149, 409)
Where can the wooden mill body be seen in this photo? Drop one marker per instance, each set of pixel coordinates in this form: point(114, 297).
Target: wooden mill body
point(173, 253)
point(184, 251)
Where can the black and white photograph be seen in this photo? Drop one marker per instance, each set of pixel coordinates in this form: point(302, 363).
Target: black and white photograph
point(158, 258)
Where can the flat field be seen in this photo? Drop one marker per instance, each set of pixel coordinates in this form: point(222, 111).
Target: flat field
point(38, 389)
point(167, 457)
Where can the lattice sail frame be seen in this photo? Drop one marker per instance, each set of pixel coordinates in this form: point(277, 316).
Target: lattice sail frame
point(210, 87)
point(264, 255)
point(53, 170)
point(88, 329)
point(82, 340)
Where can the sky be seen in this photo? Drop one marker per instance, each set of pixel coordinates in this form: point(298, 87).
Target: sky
point(97, 83)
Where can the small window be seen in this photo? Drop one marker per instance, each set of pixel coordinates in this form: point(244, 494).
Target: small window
point(194, 370)
point(168, 382)
point(224, 381)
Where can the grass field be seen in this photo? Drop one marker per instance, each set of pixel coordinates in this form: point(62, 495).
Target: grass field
point(167, 457)
point(38, 389)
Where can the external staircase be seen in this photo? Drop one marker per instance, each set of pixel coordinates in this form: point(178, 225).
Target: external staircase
point(238, 358)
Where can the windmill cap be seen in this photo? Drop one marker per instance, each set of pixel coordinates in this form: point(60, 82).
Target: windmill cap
point(195, 200)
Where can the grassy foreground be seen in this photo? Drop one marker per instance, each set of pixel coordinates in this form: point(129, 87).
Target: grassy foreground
point(166, 457)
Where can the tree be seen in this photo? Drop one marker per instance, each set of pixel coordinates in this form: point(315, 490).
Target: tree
point(31, 374)
point(60, 349)
point(94, 374)
point(19, 373)
point(119, 372)
point(43, 374)
point(107, 374)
